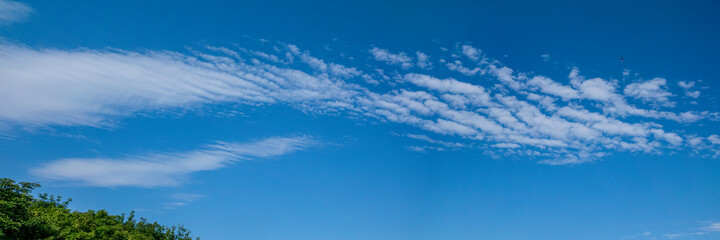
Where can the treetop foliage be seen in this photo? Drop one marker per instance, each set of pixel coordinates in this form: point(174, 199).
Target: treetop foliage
point(23, 216)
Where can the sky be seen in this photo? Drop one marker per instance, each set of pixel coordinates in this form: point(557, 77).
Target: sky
point(380, 120)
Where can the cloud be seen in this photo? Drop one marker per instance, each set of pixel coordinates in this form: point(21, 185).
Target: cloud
point(84, 87)
point(506, 145)
point(547, 85)
point(165, 169)
point(385, 55)
point(709, 228)
point(505, 75)
point(423, 60)
point(597, 89)
point(687, 86)
point(431, 143)
point(653, 91)
point(344, 72)
point(182, 199)
point(434, 141)
point(471, 52)
point(712, 227)
point(490, 106)
point(477, 94)
point(11, 11)
point(545, 57)
point(458, 67)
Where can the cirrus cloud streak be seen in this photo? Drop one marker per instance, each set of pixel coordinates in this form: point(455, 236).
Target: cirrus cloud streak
point(506, 111)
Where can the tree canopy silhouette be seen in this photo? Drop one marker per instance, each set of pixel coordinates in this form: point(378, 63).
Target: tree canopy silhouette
point(24, 216)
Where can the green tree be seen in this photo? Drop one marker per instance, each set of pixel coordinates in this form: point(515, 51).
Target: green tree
point(23, 216)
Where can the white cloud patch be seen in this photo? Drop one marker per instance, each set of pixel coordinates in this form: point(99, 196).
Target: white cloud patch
point(505, 75)
point(712, 227)
point(714, 139)
point(709, 228)
point(545, 57)
point(652, 91)
point(386, 56)
point(471, 52)
point(458, 67)
point(423, 60)
point(506, 145)
point(477, 94)
point(84, 87)
point(11, 11)
point(686, 86)
point(597, 89)
point(182, 199)
point(626, 72)
point(432, 144)
point(165, 169)
point(489, 106)
point(547, 85)
point(344, 72)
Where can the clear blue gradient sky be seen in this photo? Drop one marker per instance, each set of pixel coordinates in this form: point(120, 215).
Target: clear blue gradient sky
point(371, 119)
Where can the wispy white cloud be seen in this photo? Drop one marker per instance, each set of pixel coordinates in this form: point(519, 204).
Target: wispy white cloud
point(84, 87)
point(11, 11)
point(644, 235)
point(165, 169)
point(653, 91)
point(709, 228)
point(433, 144)
point(712, 227)
point(597, 89)
point(458, 67)
point(423, 60)
point(182, 199)
point(687, 86)
point(545, 57)
point(547, 85)
point(506, 145)
point(471, 53)
point(500, 108)
point(385, 55)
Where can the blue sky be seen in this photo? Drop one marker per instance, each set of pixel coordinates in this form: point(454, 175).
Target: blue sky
point(371, 119)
